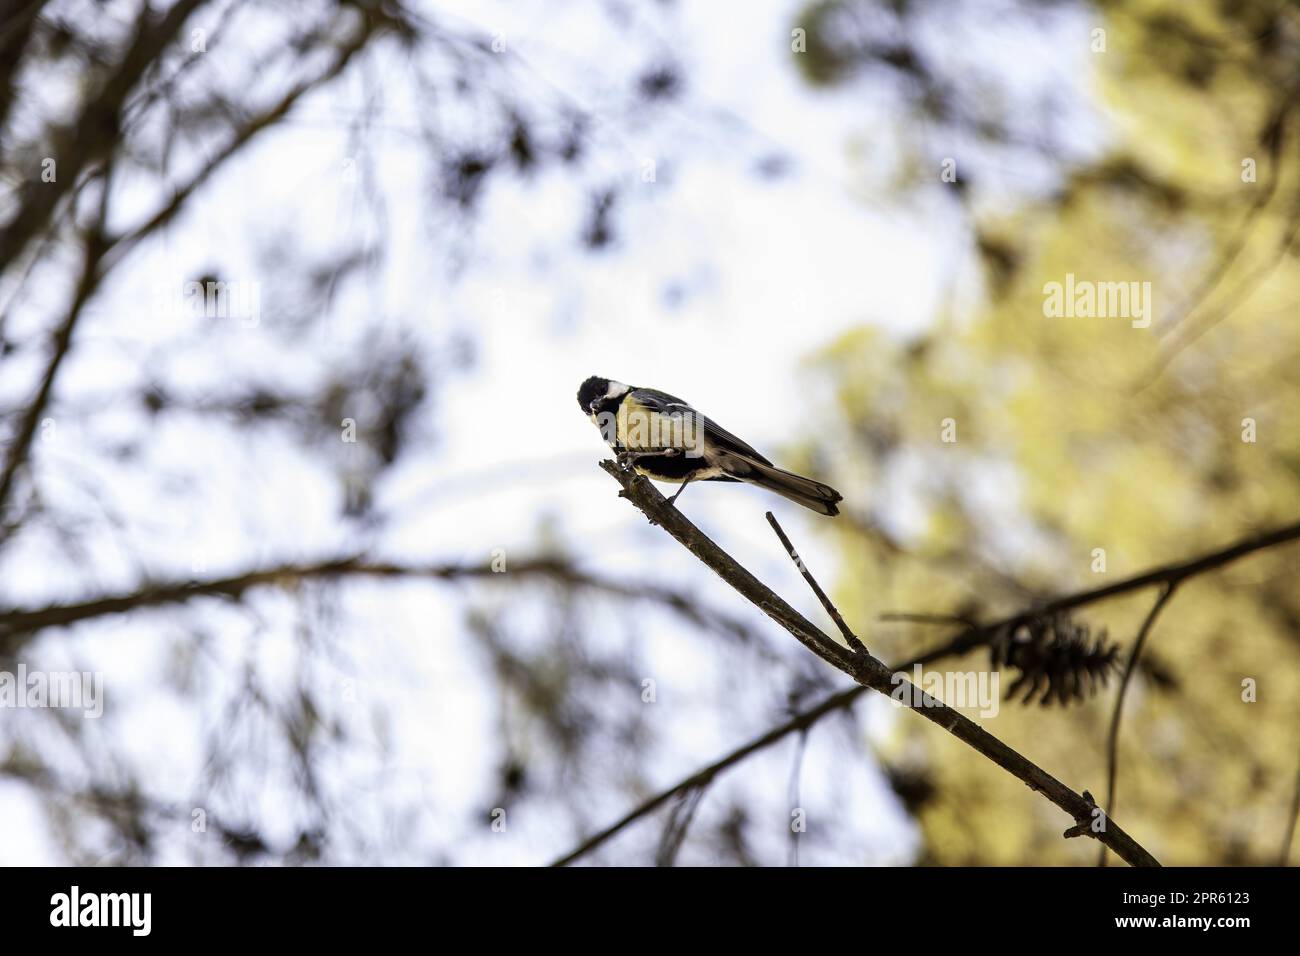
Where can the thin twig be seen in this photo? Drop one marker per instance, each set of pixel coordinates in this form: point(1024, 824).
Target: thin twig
point(831, 609)
point(1112, 740)
point(1290, 824)
point(679, 823)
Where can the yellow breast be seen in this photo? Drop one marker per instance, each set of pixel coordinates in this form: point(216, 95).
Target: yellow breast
point(645, 429)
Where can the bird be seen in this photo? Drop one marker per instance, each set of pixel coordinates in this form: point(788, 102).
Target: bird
point(664, 438)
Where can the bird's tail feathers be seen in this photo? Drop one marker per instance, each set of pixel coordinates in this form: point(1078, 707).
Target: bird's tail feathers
point(819, 497)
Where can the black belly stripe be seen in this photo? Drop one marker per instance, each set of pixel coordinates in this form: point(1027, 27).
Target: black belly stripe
point(673, 468)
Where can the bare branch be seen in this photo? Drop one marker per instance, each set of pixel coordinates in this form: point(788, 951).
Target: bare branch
point(869, 671)
point(960, 643)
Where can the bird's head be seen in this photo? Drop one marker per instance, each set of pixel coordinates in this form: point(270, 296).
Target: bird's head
point(600, 394)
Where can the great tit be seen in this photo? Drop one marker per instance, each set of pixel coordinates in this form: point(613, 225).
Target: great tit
point(666, 439)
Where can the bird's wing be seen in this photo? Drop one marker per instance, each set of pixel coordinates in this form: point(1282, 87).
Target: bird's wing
point(714, 433)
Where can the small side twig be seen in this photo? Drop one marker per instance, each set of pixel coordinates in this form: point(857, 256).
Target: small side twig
point(851, 638)
point(1112, 742)
point(1081, 829)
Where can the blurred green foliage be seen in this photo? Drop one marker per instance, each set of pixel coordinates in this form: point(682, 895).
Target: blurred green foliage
point(1075, 434)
